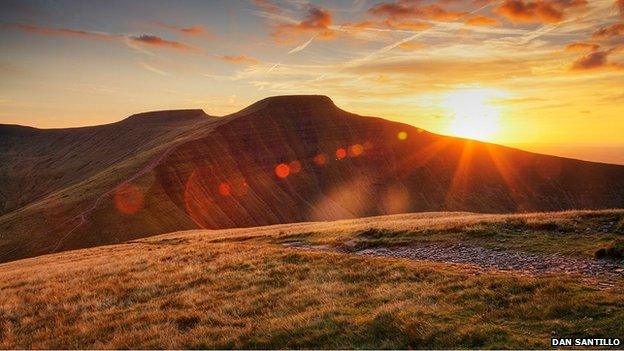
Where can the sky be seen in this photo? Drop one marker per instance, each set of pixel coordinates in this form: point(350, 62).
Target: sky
point(541, 75)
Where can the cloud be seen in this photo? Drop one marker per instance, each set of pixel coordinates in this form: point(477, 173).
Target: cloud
point(156, 41)
point(614, 30)
point(595, 60)
point(153, 69)
point(191, 31)
point(302, 46)
point(445, 70)
point(480, 20)
point(537, 11)
point(408, 25)
point(437, 13)
point(403, 9)
point(358, 26)
point(394, 10)
point(239, 60)
point(317, 20)
point(268, 6)
point(620, 5)
point(411, 46)
point(144, 39)
point(64, 32)
point(582, 47)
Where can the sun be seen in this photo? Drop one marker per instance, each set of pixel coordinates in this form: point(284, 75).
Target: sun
point(473, 113)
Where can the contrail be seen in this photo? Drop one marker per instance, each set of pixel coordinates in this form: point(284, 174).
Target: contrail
point(302, 46)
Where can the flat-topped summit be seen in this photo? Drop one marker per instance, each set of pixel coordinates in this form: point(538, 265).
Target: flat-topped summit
point(290, 103)
point(166, 116)
point(316, 100)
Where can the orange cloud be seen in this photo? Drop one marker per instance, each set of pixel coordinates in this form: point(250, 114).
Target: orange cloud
point(394, 10)
point(317, 21)
point(408, 25)
point(240, 59)
point(596, 60)
point(144, 39)
point(620, 5)
point(360, 25)
point(482, 21)
point(437, 13)
point(411, 46)
point(64, 32)
point(582, 47)
point(538, 11)
point(614, 30)
point(192, 30)
point(267, 6)
point(402, 9)
point(156, 41)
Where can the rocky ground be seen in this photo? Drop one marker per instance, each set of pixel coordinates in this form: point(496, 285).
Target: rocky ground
point(480, 259)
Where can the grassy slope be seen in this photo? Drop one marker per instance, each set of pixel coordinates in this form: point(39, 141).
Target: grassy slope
point(237, 288)
point(573, 233)
point(38, 227)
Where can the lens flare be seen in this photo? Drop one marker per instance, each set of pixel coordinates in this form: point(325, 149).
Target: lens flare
point(225, 189)
point(341, 153)
point(295, 167)
point(356, 150)
point(320, 159)
point(128, 199)
point(282, 170)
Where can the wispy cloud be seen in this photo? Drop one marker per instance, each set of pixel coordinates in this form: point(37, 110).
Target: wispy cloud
point(597, 60)
point(64, 32)
point(239, 59)
point(156, 41)
point(582, 47)
point(188, 30)
point(268, 6)
point(615, 30)
point(481, 20)
point(153, 69)
point(317, 21)
point(143, 39)
point(399, 10)
point(537, 11)
point(302, 46)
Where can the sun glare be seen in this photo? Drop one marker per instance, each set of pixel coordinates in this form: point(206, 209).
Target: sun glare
point(473, 113)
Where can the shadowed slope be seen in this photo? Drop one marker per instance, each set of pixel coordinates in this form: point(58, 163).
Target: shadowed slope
point(301, 158)
point(378, 174)
point(36, 162)
point(70, 172)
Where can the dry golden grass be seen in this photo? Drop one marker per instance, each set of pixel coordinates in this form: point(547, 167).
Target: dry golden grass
point(239, 289)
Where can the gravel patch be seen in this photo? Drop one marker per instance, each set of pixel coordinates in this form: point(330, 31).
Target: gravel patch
point(488, 259)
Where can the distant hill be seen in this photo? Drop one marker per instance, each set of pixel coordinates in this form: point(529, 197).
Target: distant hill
point(283, 159)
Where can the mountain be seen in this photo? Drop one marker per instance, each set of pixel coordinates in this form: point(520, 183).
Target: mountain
point(283, 159)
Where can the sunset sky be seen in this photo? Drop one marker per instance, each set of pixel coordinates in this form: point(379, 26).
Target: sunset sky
point(542, 75)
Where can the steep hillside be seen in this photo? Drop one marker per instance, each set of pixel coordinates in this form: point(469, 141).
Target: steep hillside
point(36, 162)
point(290, 159)
point(51, 179)
point(367, 170)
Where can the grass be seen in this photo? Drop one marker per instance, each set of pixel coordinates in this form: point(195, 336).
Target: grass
point(239, 289)
point(614, 250)
point(573, 233)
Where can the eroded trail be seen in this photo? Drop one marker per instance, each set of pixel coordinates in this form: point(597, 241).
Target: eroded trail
point(488, 259)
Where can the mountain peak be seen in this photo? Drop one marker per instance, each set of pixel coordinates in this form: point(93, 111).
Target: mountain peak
point(166, 116)
point(290, 103)
point(319, 100)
